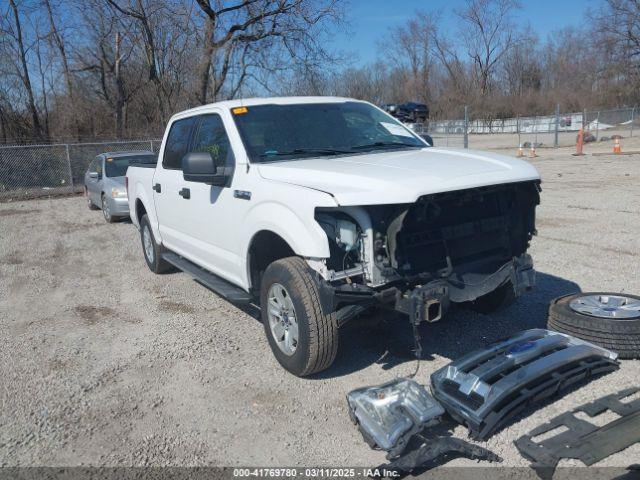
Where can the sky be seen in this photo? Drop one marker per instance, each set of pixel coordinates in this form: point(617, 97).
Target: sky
point(369, 20)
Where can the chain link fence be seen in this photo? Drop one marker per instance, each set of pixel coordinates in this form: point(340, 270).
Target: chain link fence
point(31, 171)
point(558, 129)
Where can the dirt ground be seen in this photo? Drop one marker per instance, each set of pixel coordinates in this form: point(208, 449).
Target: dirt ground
point(104, 363)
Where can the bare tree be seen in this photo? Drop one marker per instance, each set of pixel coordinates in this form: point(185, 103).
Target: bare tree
point(42, 71)
point(522, 67)
point(105, 58)
point(138, 11)
point(411, 50)
point(488, 35)
point(58, 40)
point(23, 70)
point(233, 32)
point(618, 28)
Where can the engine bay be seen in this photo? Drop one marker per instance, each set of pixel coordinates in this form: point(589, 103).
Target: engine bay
point(461, 236)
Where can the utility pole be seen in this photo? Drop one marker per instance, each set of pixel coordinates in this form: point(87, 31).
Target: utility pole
point(555, 142)
point(466, 126)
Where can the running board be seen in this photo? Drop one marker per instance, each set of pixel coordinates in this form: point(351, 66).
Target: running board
point(213, 282)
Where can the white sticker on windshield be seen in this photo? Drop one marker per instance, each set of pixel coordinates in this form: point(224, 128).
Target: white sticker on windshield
point(394, 129)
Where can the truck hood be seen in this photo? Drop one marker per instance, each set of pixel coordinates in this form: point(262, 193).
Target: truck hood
point(400, 176)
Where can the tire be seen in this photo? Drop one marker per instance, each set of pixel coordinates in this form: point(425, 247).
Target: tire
point(622, 335)
point(494, 301)
point(106, 211)
point(152, 254)
point(316, 344)
point(89, 202)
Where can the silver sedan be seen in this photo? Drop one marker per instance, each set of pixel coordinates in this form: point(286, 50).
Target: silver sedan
point(104, 182)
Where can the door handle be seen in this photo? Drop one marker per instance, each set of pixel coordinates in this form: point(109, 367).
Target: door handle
point(157, 187)
point(185, 193)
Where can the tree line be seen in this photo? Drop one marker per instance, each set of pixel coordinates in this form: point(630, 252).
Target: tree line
point(91, 69)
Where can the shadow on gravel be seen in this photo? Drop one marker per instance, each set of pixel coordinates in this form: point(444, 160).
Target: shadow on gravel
point(389, 341)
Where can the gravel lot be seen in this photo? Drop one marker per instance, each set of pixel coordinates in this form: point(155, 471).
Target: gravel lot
point(105, 363)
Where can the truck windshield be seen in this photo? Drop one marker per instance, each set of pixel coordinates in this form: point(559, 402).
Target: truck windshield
point(117, 166)
point(283, 132)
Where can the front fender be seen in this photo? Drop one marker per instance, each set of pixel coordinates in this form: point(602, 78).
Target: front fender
point(305, 237)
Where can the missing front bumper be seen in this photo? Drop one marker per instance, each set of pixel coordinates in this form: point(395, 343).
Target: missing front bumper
point(430, 302)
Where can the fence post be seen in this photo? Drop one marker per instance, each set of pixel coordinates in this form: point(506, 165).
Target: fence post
point(597, 126)
point(70, 169)
point(555, 141)
point(633, 112)
point(466, 126)
point(151, 144)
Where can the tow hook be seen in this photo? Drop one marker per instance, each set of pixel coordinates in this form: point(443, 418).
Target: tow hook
point(425, 303)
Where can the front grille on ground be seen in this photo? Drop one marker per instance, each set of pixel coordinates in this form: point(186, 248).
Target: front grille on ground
point(486, 388)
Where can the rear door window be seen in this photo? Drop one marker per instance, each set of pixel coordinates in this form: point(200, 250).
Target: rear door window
point(177, 143)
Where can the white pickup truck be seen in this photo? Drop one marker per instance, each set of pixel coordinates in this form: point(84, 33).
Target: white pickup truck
point(317, 208)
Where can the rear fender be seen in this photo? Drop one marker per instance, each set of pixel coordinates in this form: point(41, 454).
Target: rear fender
point(139, 193)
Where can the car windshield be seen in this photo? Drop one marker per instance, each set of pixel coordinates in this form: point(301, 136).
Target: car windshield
point(282, 132)
point(117, 166)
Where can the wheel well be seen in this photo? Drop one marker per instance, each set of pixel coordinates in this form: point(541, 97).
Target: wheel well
point(140, 210)
point(266, 247)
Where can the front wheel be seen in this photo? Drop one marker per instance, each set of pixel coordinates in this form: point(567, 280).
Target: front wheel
point(106, 210)
point(303, 338)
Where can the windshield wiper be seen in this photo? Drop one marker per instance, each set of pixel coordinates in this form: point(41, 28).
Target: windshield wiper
point(301, 151)
point(384, 145)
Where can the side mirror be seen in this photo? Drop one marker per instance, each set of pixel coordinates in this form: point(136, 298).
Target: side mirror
point(200, 167)
point(93, 174)
point(427, 138)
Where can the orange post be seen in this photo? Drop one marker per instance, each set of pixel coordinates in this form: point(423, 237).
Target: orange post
point(617, 149)
point(580, 143)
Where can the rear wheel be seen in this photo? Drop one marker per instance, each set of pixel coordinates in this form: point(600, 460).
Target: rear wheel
point(303, 338)
point(152, 251)
point(610, 320)
point(89, 201)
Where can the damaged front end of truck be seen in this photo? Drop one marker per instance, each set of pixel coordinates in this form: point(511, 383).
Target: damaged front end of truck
point(458, 246)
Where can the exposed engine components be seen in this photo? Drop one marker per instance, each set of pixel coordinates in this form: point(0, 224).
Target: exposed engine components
point(345, 246)
point(346, 234)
